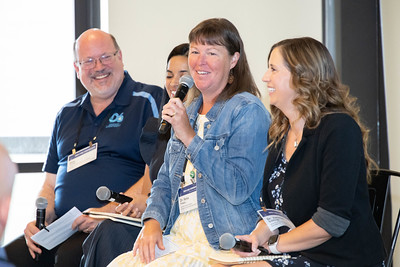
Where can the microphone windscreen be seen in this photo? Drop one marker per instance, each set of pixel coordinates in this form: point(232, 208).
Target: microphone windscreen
point(103, 193)
point(227, 241)
point(41, 203)
point(187, 80)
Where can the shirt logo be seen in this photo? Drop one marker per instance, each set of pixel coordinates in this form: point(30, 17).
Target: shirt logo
point(115, 120)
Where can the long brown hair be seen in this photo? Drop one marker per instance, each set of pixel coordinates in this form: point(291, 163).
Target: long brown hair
point(320, 91)
point(220, 31)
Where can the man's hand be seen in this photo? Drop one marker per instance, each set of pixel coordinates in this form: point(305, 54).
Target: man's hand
point(135, 208)
point(29, 231)
point(85, 223)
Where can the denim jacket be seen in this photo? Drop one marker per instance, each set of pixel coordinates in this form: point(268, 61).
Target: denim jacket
point(229, 161)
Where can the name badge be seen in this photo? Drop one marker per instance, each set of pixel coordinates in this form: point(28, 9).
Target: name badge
point(82, 157)
point(275, 219)
point(187, 198)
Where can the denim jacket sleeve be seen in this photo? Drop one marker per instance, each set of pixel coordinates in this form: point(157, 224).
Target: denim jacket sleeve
point(163, 194)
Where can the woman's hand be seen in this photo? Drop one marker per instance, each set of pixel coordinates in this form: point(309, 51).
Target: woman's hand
point(149, 237)
point(258, 237)
point(175, 113)
point(255, 264)
point(254, 246)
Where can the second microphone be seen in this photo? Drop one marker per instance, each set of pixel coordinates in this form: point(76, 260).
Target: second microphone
point(105, 194)
point(228, 241)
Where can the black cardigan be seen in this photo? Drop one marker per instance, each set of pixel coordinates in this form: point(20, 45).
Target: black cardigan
point(328, 170)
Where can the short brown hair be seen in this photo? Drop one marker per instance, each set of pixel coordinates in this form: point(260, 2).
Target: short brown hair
point(220, 31)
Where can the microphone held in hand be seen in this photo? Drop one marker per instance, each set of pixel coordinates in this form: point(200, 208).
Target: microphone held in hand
point(41, 205)
point(185, 83)
point(228, 241)
point(105, 194)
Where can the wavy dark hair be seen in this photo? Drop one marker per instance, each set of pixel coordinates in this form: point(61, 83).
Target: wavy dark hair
point(319, 89)
point(183, 50)
point(220, 31)
point(179, 50)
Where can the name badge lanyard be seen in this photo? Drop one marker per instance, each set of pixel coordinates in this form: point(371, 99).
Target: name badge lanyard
point(191, 174)
point(187, 193)
point(103, 123)
point(183, 173)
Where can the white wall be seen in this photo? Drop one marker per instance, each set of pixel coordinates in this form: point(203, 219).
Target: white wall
point(148, 30)
point(391, 45)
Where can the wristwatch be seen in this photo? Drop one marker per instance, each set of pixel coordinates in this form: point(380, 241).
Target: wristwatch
point(272, 243)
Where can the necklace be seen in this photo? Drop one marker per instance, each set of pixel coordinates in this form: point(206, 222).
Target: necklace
point(295, 143)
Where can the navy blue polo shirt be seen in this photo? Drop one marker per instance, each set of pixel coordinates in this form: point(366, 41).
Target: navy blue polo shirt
point(119, 164)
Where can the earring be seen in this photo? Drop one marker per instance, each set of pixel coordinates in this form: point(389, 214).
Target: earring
point(231, 77)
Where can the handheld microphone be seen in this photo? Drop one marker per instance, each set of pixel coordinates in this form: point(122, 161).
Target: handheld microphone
point(185, 83)
point(41, 205)
point(228, 241)
point(103, 193)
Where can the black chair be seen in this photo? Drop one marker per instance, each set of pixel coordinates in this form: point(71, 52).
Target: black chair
point(378, 193)
point(389, 258)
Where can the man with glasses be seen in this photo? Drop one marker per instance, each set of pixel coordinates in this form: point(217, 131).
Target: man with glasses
point(95, 142)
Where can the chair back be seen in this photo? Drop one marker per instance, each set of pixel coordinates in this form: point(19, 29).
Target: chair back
point(378, 195)
point(389, 259)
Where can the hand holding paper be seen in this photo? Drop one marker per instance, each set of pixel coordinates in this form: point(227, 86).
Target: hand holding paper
point(58, 231)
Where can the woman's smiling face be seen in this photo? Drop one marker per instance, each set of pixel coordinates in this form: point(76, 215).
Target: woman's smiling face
point(278, 79)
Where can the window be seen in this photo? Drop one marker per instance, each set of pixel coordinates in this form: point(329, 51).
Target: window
point(36, 72)
point(37, 80)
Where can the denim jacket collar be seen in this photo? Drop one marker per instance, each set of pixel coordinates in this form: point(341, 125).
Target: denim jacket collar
point(211, 115)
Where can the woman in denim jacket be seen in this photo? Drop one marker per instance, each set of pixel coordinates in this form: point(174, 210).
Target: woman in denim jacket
point(210, 181)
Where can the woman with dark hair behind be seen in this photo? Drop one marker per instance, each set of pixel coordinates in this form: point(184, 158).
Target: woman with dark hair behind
point(152, 143)
point(318, 165)
point(210, 181)
point(110, 238)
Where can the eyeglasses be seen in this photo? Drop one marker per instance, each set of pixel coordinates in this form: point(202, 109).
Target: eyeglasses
point(89, 63)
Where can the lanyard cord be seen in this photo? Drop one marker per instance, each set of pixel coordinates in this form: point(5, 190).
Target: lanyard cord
point(186, 160)
point(183, 173)
point(103, 123)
